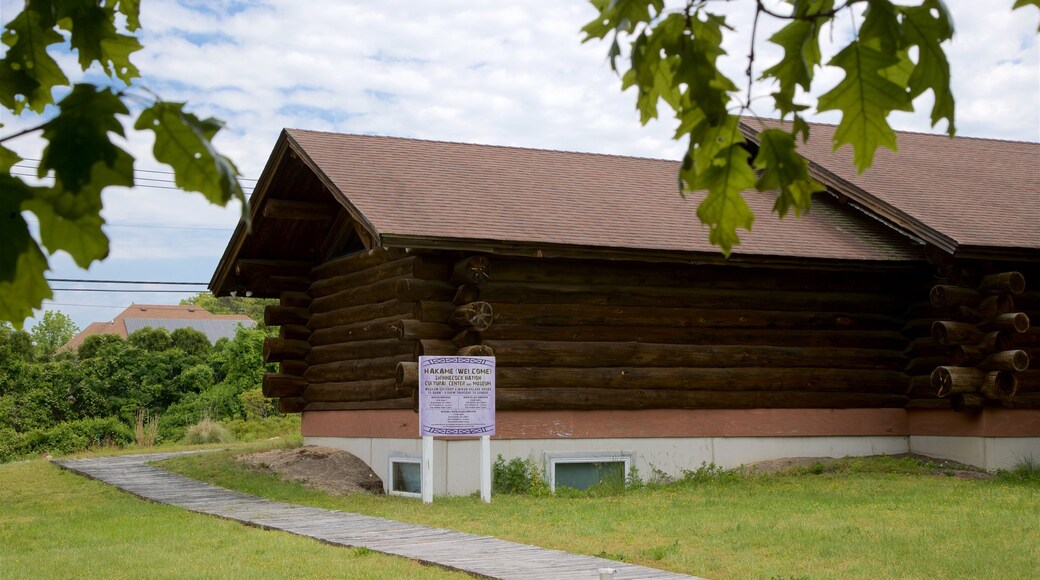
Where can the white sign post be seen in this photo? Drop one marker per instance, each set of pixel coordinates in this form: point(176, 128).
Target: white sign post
point(456, 399)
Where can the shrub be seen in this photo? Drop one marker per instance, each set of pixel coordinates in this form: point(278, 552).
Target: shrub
point(518, 476)
point(207, 431)
point(1026, 471)
point(67, 437)
point(258, 429)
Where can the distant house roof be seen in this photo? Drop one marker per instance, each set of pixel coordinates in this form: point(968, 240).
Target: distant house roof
point(321, 192)
point(170, 317)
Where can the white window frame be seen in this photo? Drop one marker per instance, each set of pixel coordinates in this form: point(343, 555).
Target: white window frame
point(552, 459)
point(402, 458)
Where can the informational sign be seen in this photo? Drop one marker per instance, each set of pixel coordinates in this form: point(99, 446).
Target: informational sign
point(456, 396)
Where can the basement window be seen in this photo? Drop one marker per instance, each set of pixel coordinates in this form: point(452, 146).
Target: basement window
point(405, 476)
point(582, 470)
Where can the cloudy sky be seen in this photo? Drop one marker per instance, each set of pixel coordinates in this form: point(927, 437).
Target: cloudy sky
point(504, 73)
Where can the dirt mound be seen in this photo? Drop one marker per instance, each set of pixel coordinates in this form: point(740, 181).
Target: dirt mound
point(330, 470)
point(943, 467)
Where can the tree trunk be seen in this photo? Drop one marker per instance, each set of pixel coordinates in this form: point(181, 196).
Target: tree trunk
point(349, 392)
point(999, 385)
point(944, 296)
point(949, 380)
point(282, 315)
point(605, 399)
point(476, 350)
point(279, 349)
point(1008, 360)
point(365, 312)
point(355, 370)
point(278, 385)
point(359, 350)
point(1005, 283)
point(475, 315)
point(291, 405)
point(415, 330)
point(472, 270)
point(377, 329)
point(945, 332)
point(357, 262)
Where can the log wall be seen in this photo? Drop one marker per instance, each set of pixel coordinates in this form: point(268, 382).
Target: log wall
point(585, 334)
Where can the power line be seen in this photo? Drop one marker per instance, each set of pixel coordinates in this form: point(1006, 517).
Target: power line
point(125, 291)
point(126, 282)
point(135, 186)
point(159, 171)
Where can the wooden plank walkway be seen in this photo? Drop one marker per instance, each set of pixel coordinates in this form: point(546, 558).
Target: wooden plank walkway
point(478, 555)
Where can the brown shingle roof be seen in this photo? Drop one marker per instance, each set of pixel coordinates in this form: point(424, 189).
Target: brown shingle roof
point(964, 192)
point(438, 190)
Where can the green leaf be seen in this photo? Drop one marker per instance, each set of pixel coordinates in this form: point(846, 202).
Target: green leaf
point(183, 142)
point(94, 36)
point(72, 221)
point(724, 209)
point(7, 158)
point(22, 264)
point(27, 72)
point(131, 9)
point(800, 40)
point(78, 136)
point(927, 26)
point(865, 98)
point(785, 170)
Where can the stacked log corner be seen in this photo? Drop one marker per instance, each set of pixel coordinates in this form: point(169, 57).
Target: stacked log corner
point(289, 349)
point(979, 326)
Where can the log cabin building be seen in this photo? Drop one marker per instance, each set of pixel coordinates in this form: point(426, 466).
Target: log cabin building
point(894, 317)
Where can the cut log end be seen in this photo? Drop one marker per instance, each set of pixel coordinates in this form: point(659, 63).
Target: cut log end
point(999, 385)
point(950, 380)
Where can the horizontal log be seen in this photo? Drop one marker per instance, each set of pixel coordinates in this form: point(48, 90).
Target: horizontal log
point(996, 305)
point(926, 310)
point(279, 385)
point(964, 355)
point(466, 338)
point(639, 354)
point(379, 291)
point(472, 270)
point(945, 295)
point(1008, 360)
point(434, 348)
point(924, 365)
point(291, 405)
point(921, 388)
point(348, 392)
point(476, 350)
point(698, 379)
point(947, 380)
point(624, 273)
point(685, 297)
point(359, 350)
point(295, 368)
point(357, 262)
point(1006, 282)
point(430, 311)
point(1028, 381)
point(279, 315)
point(639, 316)
point(406, 376)
point(418, 267)
point(377, 329)
point(295, 299)
point(999, 385)
point(355, 370)
point(401, 403)
point(294, 332)
point(475, 315)
point(606, 399)
point(290, 209)
point(926, 346)
point(962, 402)
point(279, 349)
point(361, 313)
point(415, 330)
point(997, 341)
point(946, 332)
point(465, 294)
point(834, 338)
point(1011, 322)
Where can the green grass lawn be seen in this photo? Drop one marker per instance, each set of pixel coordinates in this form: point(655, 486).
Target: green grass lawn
point(869, 519)
point(56, 524)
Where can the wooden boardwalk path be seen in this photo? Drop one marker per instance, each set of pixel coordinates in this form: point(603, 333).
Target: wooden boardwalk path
point(478, 555)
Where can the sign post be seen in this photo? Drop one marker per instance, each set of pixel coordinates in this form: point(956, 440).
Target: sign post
point(456, 399)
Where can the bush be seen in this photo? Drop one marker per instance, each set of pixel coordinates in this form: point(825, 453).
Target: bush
point(207, 431)
point(518, 476)
point(67, 437)
point(258, 429)
point(1026, 471)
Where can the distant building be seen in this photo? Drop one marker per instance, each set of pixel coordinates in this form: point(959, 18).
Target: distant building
point(168, 316)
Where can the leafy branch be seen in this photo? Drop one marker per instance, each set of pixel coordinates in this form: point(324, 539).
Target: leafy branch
point(895, 56)
point(79, 153)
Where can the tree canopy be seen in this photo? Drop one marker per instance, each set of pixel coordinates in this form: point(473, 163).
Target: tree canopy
point(80, 155)
point(895, 55)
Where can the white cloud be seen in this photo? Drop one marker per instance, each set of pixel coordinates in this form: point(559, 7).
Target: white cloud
point(510, 73)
